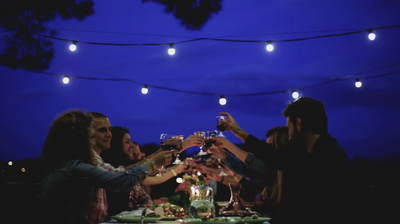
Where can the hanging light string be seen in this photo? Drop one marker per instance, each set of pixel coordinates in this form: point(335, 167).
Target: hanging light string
point(331, 80)
point(212, 39)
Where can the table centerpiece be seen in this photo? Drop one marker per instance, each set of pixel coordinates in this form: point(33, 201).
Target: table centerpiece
point(183, 194)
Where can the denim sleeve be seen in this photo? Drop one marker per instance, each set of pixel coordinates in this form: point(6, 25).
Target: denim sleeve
point(252, 168)
point(235, 164)
point(254, 163)
point(109, 180)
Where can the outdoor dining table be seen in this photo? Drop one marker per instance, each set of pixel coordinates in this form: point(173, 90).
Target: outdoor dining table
point(177, 220)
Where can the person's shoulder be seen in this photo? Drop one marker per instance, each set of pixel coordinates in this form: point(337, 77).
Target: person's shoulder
point(331, 146)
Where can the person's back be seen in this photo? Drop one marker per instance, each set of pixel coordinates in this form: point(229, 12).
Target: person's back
point(317, 189)
point(64, 199)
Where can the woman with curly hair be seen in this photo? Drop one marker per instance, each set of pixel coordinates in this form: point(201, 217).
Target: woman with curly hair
point(70, 173)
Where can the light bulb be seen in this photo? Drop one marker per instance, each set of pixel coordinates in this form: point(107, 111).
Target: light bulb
point(10, 163)
point(358, 83)
point(23, 170)
point(179, 180)
point(371, 36)
point(222, 100)
point(145, 90)
point(295, 95)
point(171, 50)
point(65, 80)
point(72, 47)
point(270, 47)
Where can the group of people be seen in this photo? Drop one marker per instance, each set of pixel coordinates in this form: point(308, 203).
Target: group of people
point(94, 170)
point(85, 158)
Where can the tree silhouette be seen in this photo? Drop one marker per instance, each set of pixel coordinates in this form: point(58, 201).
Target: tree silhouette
point(192, 13)
point(25, 24)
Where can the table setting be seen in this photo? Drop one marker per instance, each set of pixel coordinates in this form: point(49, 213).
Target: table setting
point(193, 201)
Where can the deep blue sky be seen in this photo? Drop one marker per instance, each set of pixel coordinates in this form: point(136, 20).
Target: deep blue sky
point(365, 121)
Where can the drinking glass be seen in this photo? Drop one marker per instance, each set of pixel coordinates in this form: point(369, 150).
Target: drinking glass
point(201, 133)
point(208, 142)
point(164, 137)
point(220, 126)
point(202, 204)
point(177, 160)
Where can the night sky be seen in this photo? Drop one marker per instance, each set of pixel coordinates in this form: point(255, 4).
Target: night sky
point(256, 83)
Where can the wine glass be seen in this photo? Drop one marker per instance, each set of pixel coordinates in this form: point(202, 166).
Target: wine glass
point(208, 142)
point(164, 137)
point(177, 160)
point(221, 126)
point(201, 133)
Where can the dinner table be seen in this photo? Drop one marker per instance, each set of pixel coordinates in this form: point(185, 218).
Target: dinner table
point(129, 217)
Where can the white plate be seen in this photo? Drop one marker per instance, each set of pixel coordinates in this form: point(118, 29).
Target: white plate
point(198, 221)
point(170, 218)
point(130, 218)
point(259, 220)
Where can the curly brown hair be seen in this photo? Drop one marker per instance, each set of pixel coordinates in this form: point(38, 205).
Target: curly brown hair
point(69, 138)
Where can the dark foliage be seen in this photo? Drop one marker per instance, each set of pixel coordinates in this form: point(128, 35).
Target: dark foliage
point(192, 13)
point(26, 45)
point(25, 22)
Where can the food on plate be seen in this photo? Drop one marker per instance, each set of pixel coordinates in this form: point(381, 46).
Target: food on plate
point(152, 214)
point(168, 210)
point(251, 217)
point(216, 219)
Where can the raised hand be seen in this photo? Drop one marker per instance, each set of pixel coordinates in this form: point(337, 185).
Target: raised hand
point(232, 125)
point(193, 140)
point(162, 158)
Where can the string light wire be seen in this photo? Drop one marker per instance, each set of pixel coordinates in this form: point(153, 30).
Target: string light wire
point(331, 80)
point(212, 39)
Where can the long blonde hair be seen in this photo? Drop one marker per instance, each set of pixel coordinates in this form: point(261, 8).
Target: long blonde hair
point(281, 142)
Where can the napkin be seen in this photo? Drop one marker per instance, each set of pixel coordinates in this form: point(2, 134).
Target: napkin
point(136, 212)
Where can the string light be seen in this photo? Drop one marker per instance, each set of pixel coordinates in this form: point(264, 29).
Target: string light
point(65, 80)
point(23, 170)
point(371, 35)
point(295, 94)
point(222, 100)
point(171, 50)
point(145, 90)
point(72, 47)
point(10, 163)
point(179, 180)
point(358, 83)
point(269, 47)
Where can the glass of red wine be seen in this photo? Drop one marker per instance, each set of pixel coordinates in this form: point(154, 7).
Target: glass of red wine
point(208, 142)
point(177, 160)
point(166, 147)
point(220, 125)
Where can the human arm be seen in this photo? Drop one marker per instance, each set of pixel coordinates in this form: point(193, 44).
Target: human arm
point(232, 125)
point(213, 174)
point(192, 140)
point(109, 180)
point(223, 143)
point(173, 171)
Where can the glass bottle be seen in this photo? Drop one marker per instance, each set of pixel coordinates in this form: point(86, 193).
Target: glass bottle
point(202, 202)
point(234, 206)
